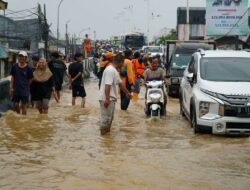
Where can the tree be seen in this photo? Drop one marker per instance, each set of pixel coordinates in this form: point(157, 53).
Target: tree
point(171, 36)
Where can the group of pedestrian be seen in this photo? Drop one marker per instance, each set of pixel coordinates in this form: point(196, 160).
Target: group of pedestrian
point(122, 72)
point(44, 80)
point(126, 71)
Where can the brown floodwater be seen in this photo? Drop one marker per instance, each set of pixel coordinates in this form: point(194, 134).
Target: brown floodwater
point(65, 151)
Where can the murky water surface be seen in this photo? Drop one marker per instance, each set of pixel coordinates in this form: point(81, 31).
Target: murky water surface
point(65, 151)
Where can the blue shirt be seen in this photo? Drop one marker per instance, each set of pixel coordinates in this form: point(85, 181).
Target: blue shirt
point(21, 77)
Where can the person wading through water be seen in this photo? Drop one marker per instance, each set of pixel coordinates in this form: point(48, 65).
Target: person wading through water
point(128, 78)
point(76, 79)
point(44, 84)
point(139, 69)
point(58, 69)
point(109, 93)
point(21, 75)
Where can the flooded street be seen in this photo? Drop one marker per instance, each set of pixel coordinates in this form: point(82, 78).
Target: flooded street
point(64, 150)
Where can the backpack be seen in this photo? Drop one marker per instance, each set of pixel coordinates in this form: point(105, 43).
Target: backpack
point(100, 72)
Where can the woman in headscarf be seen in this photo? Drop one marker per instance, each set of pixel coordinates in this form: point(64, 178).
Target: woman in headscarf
point(44, 86)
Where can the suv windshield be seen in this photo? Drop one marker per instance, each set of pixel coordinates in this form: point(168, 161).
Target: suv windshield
point(180, 60)
point(225, 69)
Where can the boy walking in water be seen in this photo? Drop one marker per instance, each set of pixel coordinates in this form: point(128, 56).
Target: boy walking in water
point(21, 75)
point(76, 79)
point(109, 93)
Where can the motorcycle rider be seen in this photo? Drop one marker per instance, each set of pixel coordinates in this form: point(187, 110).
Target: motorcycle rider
point(155, 73)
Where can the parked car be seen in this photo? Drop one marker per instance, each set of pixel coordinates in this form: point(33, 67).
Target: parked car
point(215, 92)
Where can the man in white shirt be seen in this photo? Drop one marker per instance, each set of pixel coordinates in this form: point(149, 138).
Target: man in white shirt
point(109, 93)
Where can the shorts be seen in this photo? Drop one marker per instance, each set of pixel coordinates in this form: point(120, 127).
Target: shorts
point(42, 104)
point(32, 97)
point(23, 99)
point(87, 48)
point(137, 85)
point(78, 91)
point(107, 115)
point(58, 87)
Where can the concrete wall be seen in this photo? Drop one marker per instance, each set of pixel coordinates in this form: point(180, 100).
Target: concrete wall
point(5, 102)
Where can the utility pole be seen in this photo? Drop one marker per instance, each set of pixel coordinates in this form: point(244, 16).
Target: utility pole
point(67, 40)
point(187, 32)
point(46, 34)
point(94, 35)
point(41, 32)
point(58, 24)
point(148, 20)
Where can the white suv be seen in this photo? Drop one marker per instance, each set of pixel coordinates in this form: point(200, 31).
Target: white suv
point(215, 92)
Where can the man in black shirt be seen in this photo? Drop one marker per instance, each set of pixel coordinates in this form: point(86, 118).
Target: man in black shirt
point(58, 69)
point(76, 79)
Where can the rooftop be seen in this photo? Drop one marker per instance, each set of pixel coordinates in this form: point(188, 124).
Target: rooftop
point(227, 53)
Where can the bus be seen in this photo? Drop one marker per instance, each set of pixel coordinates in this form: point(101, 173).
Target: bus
point(134, 41)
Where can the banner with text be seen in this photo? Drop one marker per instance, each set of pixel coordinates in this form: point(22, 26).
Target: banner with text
point(227, 17)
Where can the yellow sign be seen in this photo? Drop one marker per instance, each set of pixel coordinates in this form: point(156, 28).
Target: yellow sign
point(3, 5)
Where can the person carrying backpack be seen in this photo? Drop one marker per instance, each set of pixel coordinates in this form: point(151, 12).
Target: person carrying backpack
point(128, 78)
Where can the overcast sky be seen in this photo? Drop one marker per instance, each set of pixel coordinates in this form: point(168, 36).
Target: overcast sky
point(108, 17)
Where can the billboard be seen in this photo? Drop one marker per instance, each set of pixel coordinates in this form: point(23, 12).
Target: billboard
point(227, 17)
point(3, 5)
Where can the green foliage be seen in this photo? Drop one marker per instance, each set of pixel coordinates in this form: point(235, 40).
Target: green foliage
point(171, 36)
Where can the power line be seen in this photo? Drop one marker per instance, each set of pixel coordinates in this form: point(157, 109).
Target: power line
point(18, 12)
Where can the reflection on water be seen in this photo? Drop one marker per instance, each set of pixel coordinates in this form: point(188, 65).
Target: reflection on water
point(65, 151)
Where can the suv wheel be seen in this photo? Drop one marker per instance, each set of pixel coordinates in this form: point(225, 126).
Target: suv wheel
point(193, 121)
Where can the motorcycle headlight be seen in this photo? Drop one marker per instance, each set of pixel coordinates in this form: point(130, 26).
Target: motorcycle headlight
point(155, 97)
point(175, 81)
point(204, 108)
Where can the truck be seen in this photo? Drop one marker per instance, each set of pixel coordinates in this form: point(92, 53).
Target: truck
point(134, 41)
point(178, 55)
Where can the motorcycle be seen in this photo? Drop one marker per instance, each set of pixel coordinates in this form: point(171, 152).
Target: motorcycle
point(155, 99)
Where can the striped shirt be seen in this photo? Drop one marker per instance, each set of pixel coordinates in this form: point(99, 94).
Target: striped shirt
point(150, 75)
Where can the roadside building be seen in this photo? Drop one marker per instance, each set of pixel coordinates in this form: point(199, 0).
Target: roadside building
point(197, 23)
point(3, 57)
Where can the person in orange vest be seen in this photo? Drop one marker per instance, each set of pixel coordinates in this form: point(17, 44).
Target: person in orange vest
point(86, 46)
point(139, 69)
point(128, 78)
